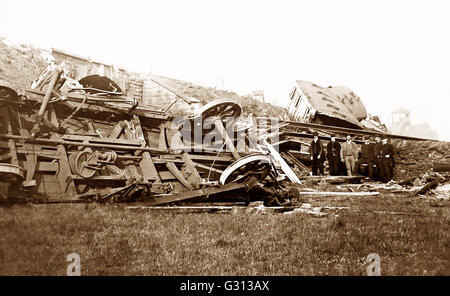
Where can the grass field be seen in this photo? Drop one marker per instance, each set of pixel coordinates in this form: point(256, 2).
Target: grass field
point(410, 234)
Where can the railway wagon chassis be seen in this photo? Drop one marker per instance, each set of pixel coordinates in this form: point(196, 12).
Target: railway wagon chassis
point(62, 141)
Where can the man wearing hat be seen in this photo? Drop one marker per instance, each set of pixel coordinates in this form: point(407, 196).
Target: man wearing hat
point(387, 160)
point(333, 155)
point(378, 158)
point(367, 156)
point(317, 154)
point(349, 155)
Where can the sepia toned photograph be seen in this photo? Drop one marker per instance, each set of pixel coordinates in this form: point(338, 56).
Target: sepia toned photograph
point(224, 138)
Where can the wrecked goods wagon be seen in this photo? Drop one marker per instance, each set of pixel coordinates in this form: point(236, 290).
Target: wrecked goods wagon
point(335, 106)
point(73, 140)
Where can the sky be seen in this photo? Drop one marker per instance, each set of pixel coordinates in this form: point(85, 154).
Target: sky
point(391, 53)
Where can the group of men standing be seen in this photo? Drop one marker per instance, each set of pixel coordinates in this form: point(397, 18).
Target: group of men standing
point(378, 156)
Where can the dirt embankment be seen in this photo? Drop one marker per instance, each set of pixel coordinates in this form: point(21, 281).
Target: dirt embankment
point(21, 64)
point(249, 105)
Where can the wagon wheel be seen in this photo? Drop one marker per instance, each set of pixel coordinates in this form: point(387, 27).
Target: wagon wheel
point(226, 110)
point(84, 164)
point(11, 173)
point(8, 95)
point(252, 165)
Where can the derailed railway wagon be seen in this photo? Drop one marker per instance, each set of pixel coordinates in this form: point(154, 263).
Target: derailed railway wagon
point(76, 140)
point(334, 106)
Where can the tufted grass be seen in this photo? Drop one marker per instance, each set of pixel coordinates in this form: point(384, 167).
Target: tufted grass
point(114, 240)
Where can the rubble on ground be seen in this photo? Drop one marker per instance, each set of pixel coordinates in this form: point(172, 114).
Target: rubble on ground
point(442, 191)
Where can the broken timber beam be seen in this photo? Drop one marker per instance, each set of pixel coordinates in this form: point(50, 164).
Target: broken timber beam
point(97, 145)
point(284, 166)
point(228, 142)
point(48, 94)
point(196, 193)
point(428, 186)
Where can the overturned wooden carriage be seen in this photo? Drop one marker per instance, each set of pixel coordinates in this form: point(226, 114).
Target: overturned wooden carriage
point(69, 140)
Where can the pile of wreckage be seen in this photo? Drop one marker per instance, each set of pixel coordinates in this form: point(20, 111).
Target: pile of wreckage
point(67, 140)
point(76, 140)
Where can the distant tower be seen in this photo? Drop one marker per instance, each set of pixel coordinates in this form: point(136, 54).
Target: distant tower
point(401, 122)
point(258, 95)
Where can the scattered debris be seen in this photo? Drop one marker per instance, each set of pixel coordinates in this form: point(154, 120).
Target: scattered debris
point(417, 182)
point(308, 209)
point(336, 208)
point(442, 191)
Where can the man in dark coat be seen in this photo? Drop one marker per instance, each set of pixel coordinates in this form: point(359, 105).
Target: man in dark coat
point(317, 154)
point(387, 160)
point(367, 157)
point(333, 156)
point(378, 159)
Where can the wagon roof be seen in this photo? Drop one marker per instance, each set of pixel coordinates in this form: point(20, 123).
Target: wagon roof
point(333, 101)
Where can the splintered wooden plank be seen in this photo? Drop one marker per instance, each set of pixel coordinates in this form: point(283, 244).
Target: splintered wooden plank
point(196, 193)
point(284, 166)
